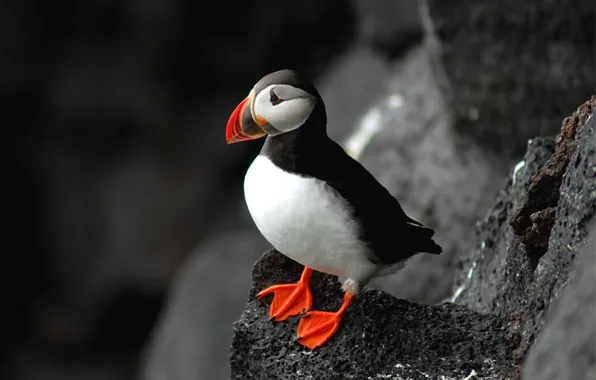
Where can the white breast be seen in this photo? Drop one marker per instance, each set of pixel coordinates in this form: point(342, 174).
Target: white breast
point(306, 220)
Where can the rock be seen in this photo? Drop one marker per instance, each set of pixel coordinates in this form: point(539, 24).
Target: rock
point(192, 337)
point(381, 337)
point(505, 82)
point(389, 26)
point(565, 349)
point(534, 218)
point(485, 269)
point(502, 276)
point(407, 141)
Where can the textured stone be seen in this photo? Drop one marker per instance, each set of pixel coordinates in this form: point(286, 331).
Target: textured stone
point(490, 263)
point(381, 337)
point(500, 277)
point(566, 349)
point(534, 218)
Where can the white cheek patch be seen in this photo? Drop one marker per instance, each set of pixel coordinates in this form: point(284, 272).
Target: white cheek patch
point(289, 114)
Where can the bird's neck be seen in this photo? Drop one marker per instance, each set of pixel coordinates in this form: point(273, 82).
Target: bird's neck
point(292, 150)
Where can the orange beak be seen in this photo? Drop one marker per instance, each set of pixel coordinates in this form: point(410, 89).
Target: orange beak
point(241, 124)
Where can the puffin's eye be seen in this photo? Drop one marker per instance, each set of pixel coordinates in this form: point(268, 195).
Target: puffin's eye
point(273, 98)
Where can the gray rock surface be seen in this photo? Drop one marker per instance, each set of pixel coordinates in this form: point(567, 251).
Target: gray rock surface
point(488, 265)
point(514, 69)
point(381, 337)
point(192, 340)
point(499, 276)
point(566, 347)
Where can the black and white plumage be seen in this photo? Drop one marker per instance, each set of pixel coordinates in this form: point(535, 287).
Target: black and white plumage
point(316, 204)
point(310, 199)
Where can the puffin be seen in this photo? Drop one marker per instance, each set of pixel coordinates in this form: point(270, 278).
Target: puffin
point(316, 204)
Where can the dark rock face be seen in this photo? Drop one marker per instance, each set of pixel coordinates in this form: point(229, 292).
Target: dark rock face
point(504, 297)
point(503, 276)
point(565, 349)
point(534, 60)
point(534, 218)
point(380, 337)
point(489, 266)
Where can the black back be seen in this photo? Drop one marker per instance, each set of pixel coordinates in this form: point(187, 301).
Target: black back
point(391, 234)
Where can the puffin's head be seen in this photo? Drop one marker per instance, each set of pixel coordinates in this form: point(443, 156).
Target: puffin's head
point(280, 102)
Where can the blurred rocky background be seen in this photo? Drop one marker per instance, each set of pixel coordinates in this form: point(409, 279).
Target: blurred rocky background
point(130, 249)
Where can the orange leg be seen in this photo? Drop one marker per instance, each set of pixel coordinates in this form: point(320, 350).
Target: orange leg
point(315, 328)
point(289, 299)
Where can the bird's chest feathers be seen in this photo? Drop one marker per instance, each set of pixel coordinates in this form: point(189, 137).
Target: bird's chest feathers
point(302, 217)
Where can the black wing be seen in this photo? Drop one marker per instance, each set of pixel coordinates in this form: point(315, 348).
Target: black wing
point(389, 231)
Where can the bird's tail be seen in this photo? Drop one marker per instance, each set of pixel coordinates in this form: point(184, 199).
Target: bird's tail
point(424, 236)
point(432, 247)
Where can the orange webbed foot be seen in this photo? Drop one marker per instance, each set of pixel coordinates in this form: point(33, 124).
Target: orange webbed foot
point(317, 327)
point(289, 299)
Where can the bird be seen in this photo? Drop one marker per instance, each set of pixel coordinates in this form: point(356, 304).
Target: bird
point(316, 204)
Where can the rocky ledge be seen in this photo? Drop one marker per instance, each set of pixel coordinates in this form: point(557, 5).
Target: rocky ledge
point(509, 286)
point(380, 336)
